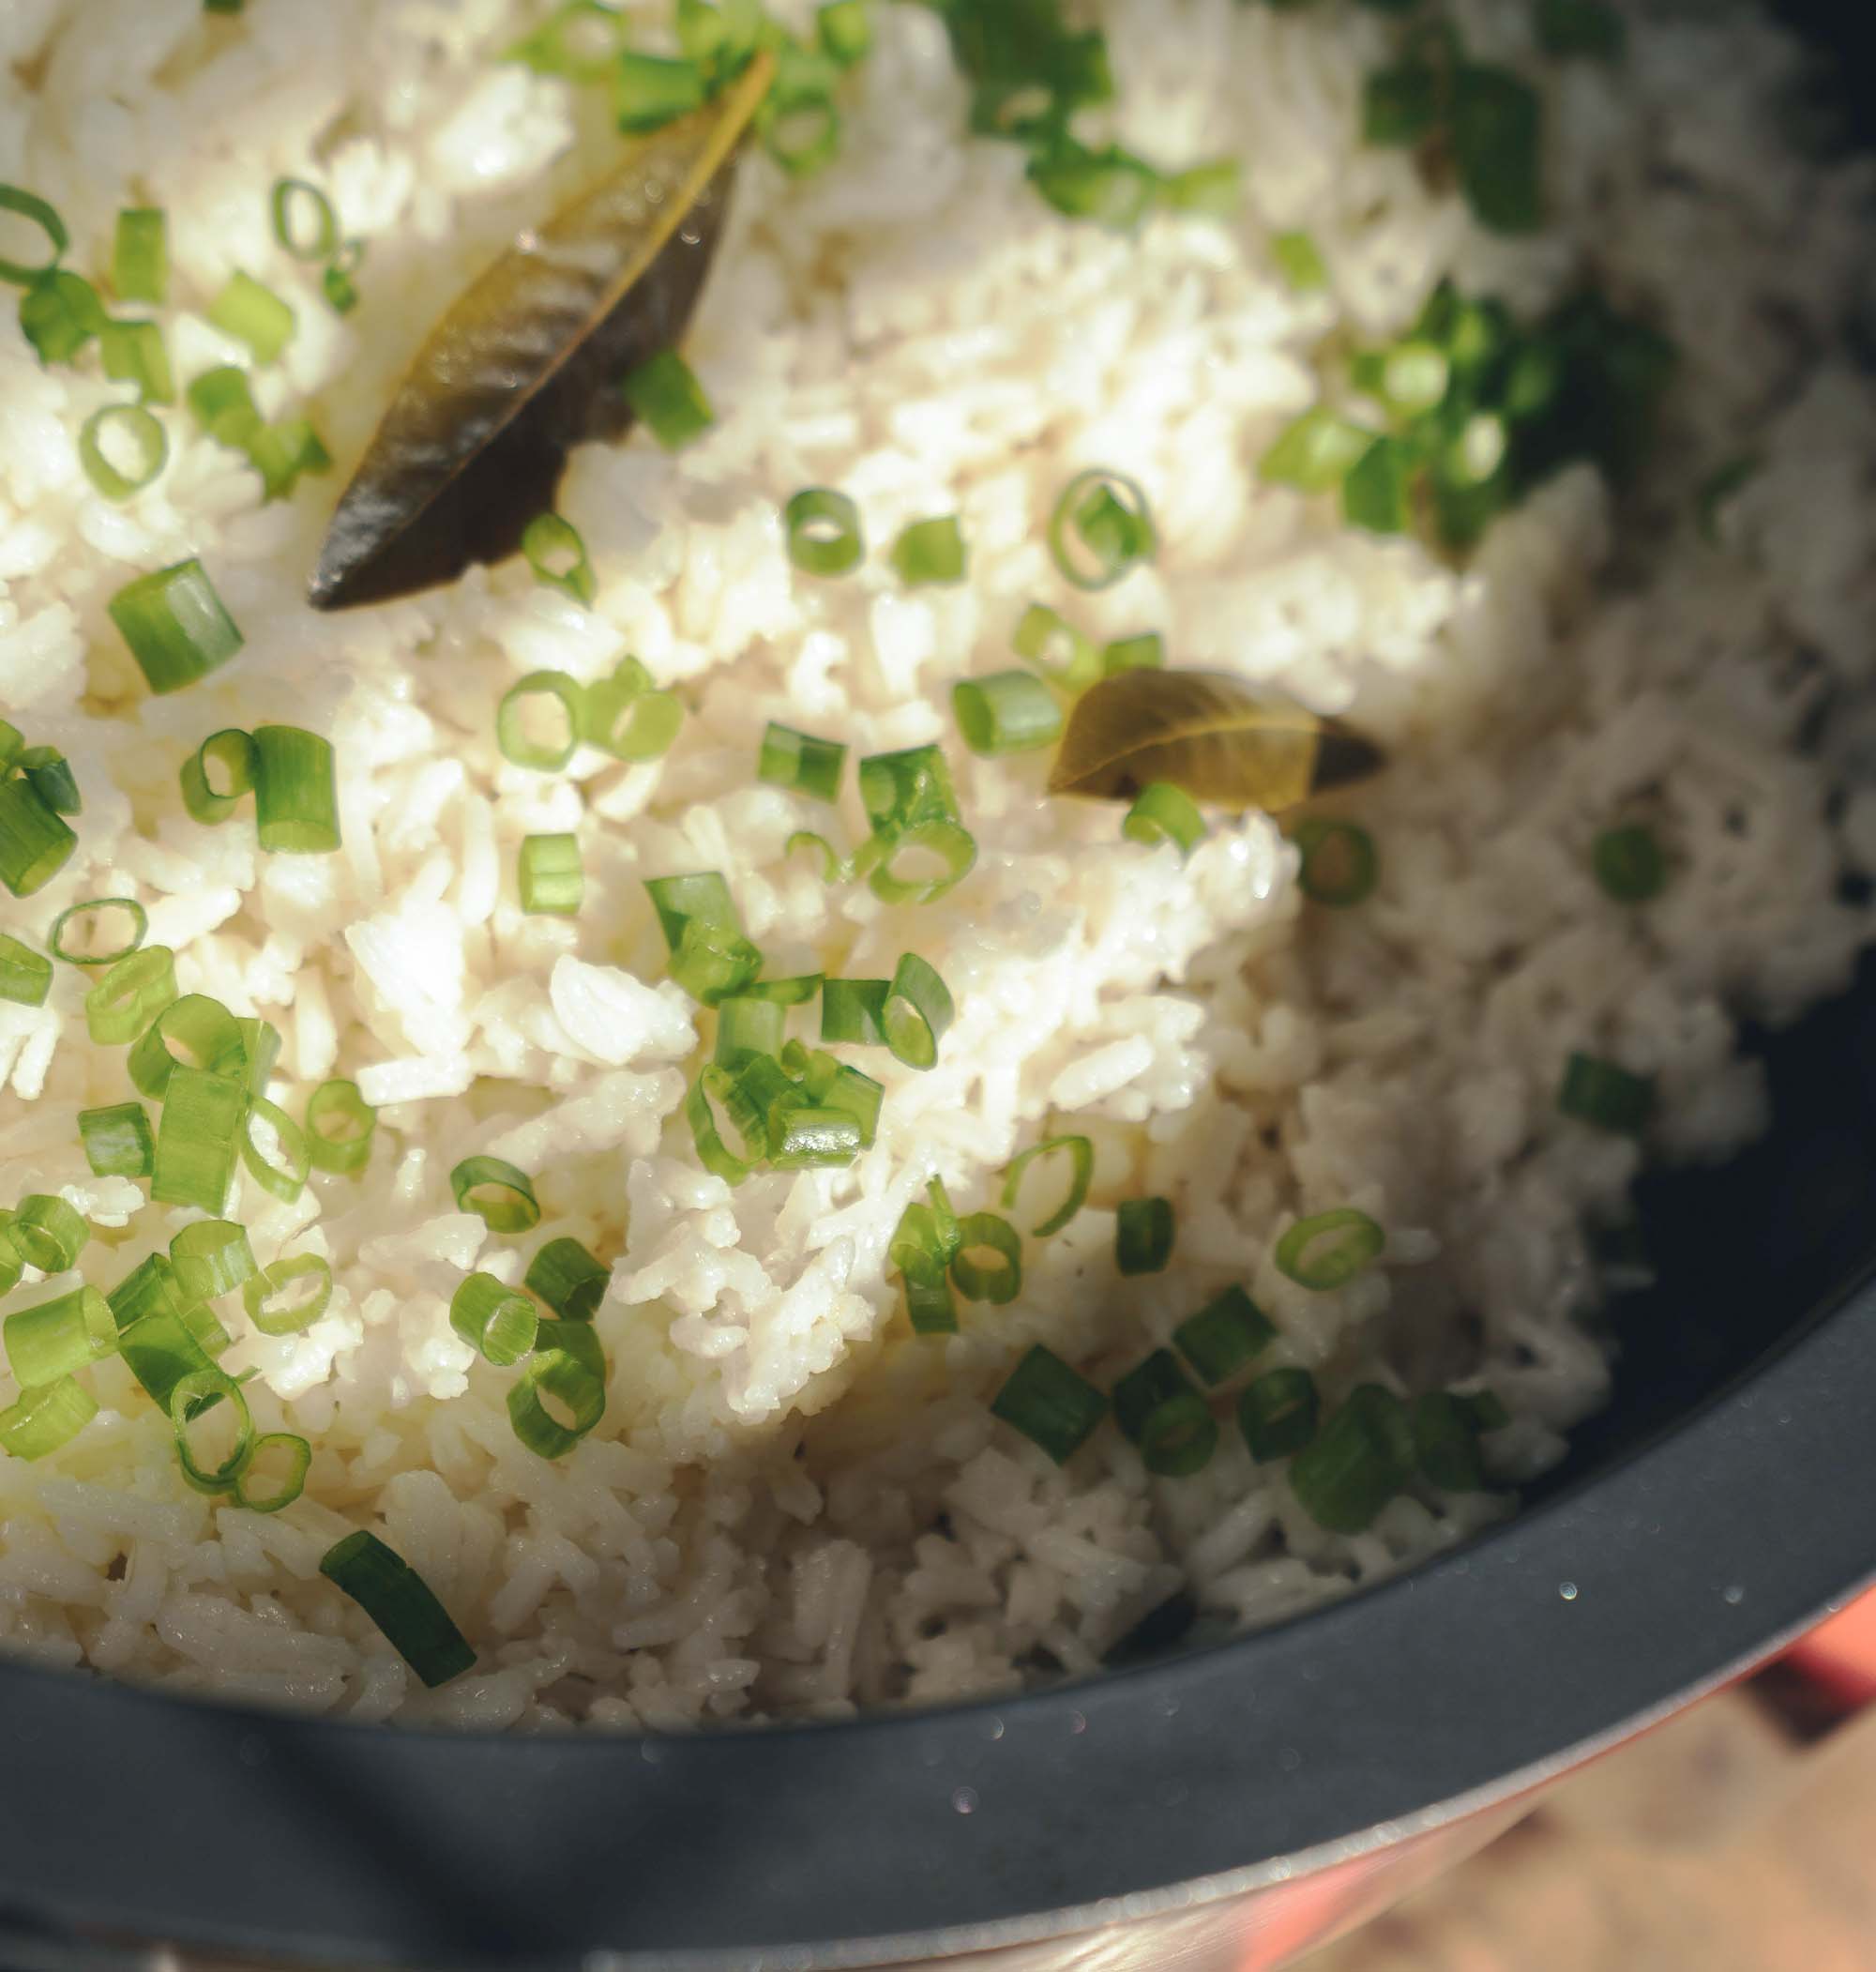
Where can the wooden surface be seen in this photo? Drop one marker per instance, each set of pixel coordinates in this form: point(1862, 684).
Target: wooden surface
point(1721, 1842)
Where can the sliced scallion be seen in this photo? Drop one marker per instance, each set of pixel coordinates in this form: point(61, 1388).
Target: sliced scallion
point(524, 736)
point(296, 792)
point(198, 1138)
point(25, 976)
point(845, 30)
point(1225, 1334)
point(802, 1138)
point(711, 1086)
point(222, 402)
point(341, 291)
point(48, 1232)
point(1162, 813)
point(258, 1492)
point(175, 626)
point(1080, 1151)
point(811, 766)
point(1497, 139)
point(998, 1281)
point(1008, 712)
point(745, 1026)
point(916, 1012)
point(59, 315)
point(652, 90)
point(1145, 652)
point(1605, 1096)
point(568, 1367)
point(339, 1125)
point(78, 939)
point(252, 314)
point(139, 443)
point(1051, 644)
point(402, 1604)
point(493, 1319)
point(550, 875)
point(118, 1141)
point(304, 222)
point(628, 717)
point(1377, 490)
point(278, 1305)
point(1050, 1404)
point(567, 1278)
point(1144, 1230)
point(52, 780)
point(58, 1337)
point(217, 775)
point(1629, 864)
point(140, 255)
point(831, 1084)
point(1278, 1413)
point(579, 39)
point(1445, 1442)
point(501, 1194)
point(187, 1409)
point(1328, 1251)
point(666, 398)
point(29, 206)
point(824, 531)
point(932, 552)
point(1179, 1438)
point(45, 1419)
point(558, 557)
point(134, 353)
point(1300, 261)
point(195, 1031)
point(1357, 1462)
point(1101, 529)
point(131, 995)
point(211, 1258)
point(1341, 865)
point(276, 1153)
point(853, 1012)
point(1315, 453)
point(1144, 1388)
point(35, 842)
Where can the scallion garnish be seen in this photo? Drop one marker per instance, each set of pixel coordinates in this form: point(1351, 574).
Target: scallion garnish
point(502, 1196)
point(277, 1306)
point(131, 995)
point(139, 441)
point(118, 1141)
point(133, 352)
point(493, 1319)
point(1111, 185)
point(59, 315)
point(910, 803)
point(1330, 1249)
point(276, 1153)
point(1080, 1151)
point(187, 1408)
point(304, 222)
point(1145, 652)
point(652, 90)
point(1315, 453)
point(195, 1031)
point(579, 39)
point(217, 775)
point(45, 1419)
point(339, 1125)
point(550, 875)
point(824, 531)
point(853, 1012)
point(932, 552)
point(713, 1086)
point(519, 729)
point(1008, 712)
point(1277, 1414)
point(1143, 1235)
point(1445, 1442)
point(259, 1493)
point(341, 291)
point(628, 717)
point(175, 626)
point(998, 1281)
point(224, 404)
point(261, 1047)
point(666, 398)
point(801, 1137)
point(558, 557)
point(140, 255)
point(148, 1288)
point(1225, 1334)
point(1377, 490)
point(76, 937)
point(252, 314)
point(165, 1343)
point(296, 792)
point(916, 1012)
point(1300, 261)
point(1359, 1460)
point(799, 123)
point(48, 1232)
point(1053, 646)
point(29, 206)
point(567, 1278)
point(1162, 813)
point(1341, 865)
point(845, 30)
point(35, 840)
point(282, 452)
point(1629, 864)
point(1144, 1388)
point(1101, 529)
point(1050, 1404)
point(401, 1602)
point(794, 991)
point(1179, 1438)
point(1497, 139)
point(211, 1258)
point(1606, 1096)
point(569, 1366)
point(198, 1138)
point(1213, 190)
point(25, 976)
point(51, 778)
point(58, 1337)
point(709, 956)
point(811, 766)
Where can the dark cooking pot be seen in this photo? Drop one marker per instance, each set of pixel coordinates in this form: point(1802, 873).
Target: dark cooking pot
point(1226, 1804)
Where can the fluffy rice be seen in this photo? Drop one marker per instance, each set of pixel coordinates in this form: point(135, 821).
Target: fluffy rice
point(792, 1506)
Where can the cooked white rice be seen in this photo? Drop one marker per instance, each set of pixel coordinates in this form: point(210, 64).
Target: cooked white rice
point(792, 1505)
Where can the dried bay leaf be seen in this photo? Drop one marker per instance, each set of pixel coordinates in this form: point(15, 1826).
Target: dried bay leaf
point(1207, 733)
point(525, 363)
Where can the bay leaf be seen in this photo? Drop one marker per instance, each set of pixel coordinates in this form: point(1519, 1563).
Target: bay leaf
point(1207, 733)
point(525, 363)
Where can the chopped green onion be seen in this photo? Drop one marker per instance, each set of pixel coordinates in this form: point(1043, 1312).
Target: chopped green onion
point(1080, 1152)
point(1339, 867)
point(274, 1306)
point(579, 40)
point(339, 1125)
point(1300, 261)
point(269, 1496)
point(824, 531)
point(717, 1158)
point(211, 1258)
point(1720, 486)
point(1629, 865)
point(1056, 649)
point(51, 777)
point(835, 867)
point(282, 452)
point(916, 1012)
point(1145, 652)
point(1144, 1388)
point(11, 1265)
point(195, 1030)
point(832, 1084)
point(304, 222)
point(493, 1319)
point(1609, 1098)
point(260, 1049)
point(35, 840)
point(1330, 1249)
point(557, 556)
point(928, 1305)
point(296, 794)
point(59, 315)
point(759, 1095)
point(1225, 1334)
point(131, 995)
point(1050, 1404)
point(1179, 1438)
point(1278, 1413)
point(280, 1159)
point(800, 129)
point(1316, 453)
point(1584, 27)
point(567, 1278)
point(801, 1137)
point(811, 766)
point(1497, 139)
point(1101, 529)
point(652, 90)
point(175, 626)
point(1445, 1442)
point(123, 425)
point(709, 956)
point(1378, 491)
point(999, 1283)
point(722, 37)
point(502, 1196)
point(1401, 106)
point(224, 404)
point(854, 1010)
point(845, 30)
point(217, 775)
point(796, 991)
point(45, 1419)
point(1008, 712)
point(747, 1025)
point(48, 1233)
point(1111, 185)
point(625, 717)
point(1486, 1409)
point(1359, 1460)
point(186, 1407)
point(1213, 190)
point(165, 1343)
point(12, 742)
point(515, 730)
point(252, 314)
point(402, 1604)
point(29, 206)
point(140, 255)
point(51, 1340)
point(551, 876)
point(198, 1138)
point(666, 398)
point(1162, 813)
point(148, 1288)
point(133, 352)
point(932, 552)
point(1143, 1235)
point(569, 1366)
point(119, 1141)
point(341, 291)
point(25, 976)
point(81, 949)
point(901, 790)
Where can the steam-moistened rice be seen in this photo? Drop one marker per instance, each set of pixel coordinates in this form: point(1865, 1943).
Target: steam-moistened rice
point(794, 1504)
